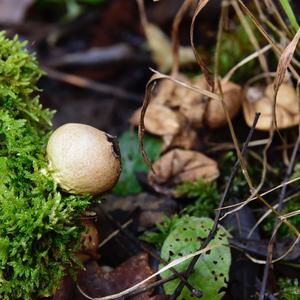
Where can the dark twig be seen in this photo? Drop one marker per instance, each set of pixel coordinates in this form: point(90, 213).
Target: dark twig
point(218, 214)
point(92, 85)
point(279, 209)
point(136, 241)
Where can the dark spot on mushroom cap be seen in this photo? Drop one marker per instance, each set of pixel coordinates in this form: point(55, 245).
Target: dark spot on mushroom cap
point(113, 140)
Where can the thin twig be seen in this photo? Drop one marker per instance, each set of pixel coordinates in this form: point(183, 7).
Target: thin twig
point(113, 234)
point(213, 231)
point(92, 85)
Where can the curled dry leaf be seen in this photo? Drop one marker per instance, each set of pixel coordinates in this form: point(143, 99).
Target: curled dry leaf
point(186, 139)
point(97, 283)
point(178, 166)
point(193, 105)
point(160, 47)
point(286, 107)
point(171, 94)
point(215, 116)
point(198, 109)
point(159, 120)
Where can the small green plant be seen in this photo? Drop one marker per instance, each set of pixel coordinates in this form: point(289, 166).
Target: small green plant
point(206, 198)
point(292, 205)
point(211, 272)
point(132, 161)
point(289, 289)
point(234, 47)
point(290, 14)
point(39, 226)
point(158, 237)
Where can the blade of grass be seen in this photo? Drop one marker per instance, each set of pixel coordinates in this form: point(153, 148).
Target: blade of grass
point(290, 14)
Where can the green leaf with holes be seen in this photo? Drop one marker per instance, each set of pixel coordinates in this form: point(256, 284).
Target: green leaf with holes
point(211, 272)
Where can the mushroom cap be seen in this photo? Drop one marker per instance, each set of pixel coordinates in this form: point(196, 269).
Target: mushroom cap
point(83, 159)
point(286, 107)
point(215, 115)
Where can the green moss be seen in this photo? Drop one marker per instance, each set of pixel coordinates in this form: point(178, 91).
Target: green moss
point(39, 225)
point(289, 289)
point(235, 47)
point(206, 198)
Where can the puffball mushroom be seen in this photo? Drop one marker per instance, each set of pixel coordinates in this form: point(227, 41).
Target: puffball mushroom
point(83, 160)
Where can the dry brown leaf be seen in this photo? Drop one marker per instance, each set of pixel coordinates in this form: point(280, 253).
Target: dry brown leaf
point(169, 93)
point(97, 283)
point(233, 98)
point(161, 49)
point(159, 120)
point(178, 166)
point(65, 290)
point(193, 105)
point(285, 60)
point(186, 139)
point(286, 107)
point(151, 209)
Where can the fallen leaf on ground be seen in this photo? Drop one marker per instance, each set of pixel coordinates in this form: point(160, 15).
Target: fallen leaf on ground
point(66, 289)
point(159, 120)
point(161, 49)
point(171, 94)
point(193, 105)
point(178, 166)
point(286, 107)
point(152, 209)
point(186, 139)
point(94, 282)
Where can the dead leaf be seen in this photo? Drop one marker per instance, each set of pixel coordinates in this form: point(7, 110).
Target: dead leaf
point(152, 208)
point(286, 107)
point(233, 98)
point(161, 49)
point(66, 289)
point(13, 12)
point(178, 166)
point(170, 94)
point(159, 120)
point(285, 60)
point(96, 283)
point(186, 139)
point(193, 105)
point(89, 241)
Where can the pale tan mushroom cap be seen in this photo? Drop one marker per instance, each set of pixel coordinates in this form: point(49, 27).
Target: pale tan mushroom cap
point(286, 107)
point(83, 159)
